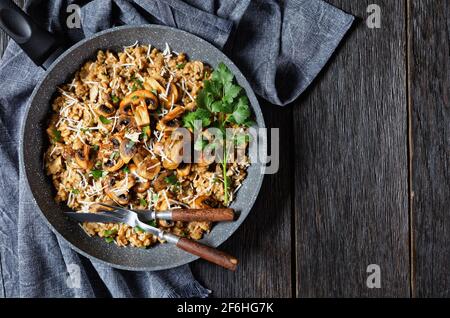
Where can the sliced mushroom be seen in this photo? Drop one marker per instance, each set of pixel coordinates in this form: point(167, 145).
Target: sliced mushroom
point(167, 127)
point(112, 165)
point(150, 99)
point(160, 182)
point(127, 150)
point(170, 122)
point(106, 110)
point(54, 166)
point(118, 191)
point(126, 108)
point(148, 168)
point(97, 207)
point(83, 158)
point(142, 96)
point(138, 158)
point(116, 140)
point(174, 154)
point(183, 169)
point(141, 185)
point(141, 116)
point(152, 84)
point(204, 202)
point(93, 93)
point(166, 223)
point(172, 97)
point(176, 112)
point(125, 121)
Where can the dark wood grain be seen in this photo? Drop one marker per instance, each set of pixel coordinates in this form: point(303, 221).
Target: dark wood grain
point(430, 104)
point(209, 214)
point(208, 253)
point(263, 242)
point(351, 171)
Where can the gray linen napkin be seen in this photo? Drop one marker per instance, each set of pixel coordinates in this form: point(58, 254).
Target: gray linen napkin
point(279, 47)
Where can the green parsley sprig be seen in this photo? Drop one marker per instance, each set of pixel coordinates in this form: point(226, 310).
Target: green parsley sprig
point(221, 102)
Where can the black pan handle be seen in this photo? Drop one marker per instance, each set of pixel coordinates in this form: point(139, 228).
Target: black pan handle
point(39, 44)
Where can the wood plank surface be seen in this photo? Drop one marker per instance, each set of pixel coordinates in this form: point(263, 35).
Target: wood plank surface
point(429, 30)
point(342, 198)
point(263, 242)
point(351, 168)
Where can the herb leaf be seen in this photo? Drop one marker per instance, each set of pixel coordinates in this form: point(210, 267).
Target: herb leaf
point(138, 229)
point(241, 112)
point(136, 85)
point(114, 99)
point(172, 179)
point(56, 134)
point(143, 202)
point(97, 174)
point(193, 119)
point(104, 120)
point(108, 233)
point(222, 74)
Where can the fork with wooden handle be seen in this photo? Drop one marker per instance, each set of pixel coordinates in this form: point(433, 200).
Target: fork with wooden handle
point(116, 214)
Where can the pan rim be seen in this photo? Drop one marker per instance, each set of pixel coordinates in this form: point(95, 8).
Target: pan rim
point(256, 185)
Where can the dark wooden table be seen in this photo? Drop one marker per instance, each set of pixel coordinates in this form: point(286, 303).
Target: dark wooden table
point(364, 176)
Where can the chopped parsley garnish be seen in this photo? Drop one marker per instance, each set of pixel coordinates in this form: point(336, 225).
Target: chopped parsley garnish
point(145, 132)
point(56, 134)
point(136, 85)
point(75, 191)
point(104, 120)
point(97, 174)
point(143, 202)
point(95, 147)
point(109, 239)
point(181, 65)
point(172, 179)
point(152, 223)
point(137, 229)
point(155, 92)
point(115, 99)
point(109, 233)
point(114, 155)
point(126, 169)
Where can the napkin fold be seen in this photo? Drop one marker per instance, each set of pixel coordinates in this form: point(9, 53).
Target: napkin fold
point(279, 46)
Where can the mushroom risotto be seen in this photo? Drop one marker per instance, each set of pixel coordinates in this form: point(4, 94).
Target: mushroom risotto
point(112, 139)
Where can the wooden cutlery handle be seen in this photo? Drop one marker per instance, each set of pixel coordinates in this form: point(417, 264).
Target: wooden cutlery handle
point(208, 253)
point(211, 215)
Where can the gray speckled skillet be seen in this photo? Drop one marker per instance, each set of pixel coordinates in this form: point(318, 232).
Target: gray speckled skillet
point(34, 143)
